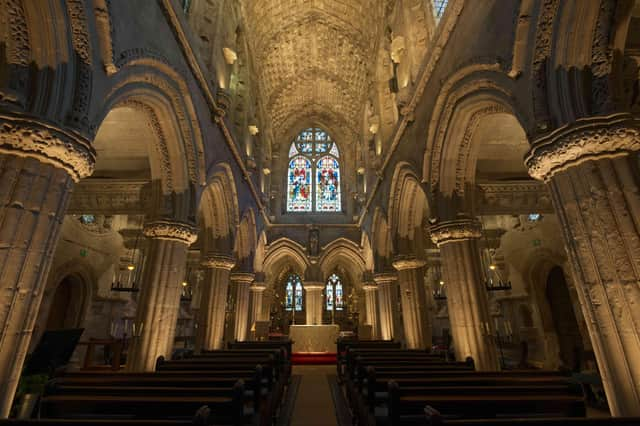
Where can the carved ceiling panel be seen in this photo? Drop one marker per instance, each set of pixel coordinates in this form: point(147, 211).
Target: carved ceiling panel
point(313, 55)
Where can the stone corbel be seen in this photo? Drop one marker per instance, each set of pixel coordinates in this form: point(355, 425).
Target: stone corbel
point(455, 230)
point(404, 263)
point(218, 262)
point(27, 137)
point(586, 139)
point(171, 230)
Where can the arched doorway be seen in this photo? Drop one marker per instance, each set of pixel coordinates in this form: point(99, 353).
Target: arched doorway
point(564, 320)
point(67, 305)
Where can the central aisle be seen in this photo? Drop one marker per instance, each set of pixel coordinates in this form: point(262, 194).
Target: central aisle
point(314, 403)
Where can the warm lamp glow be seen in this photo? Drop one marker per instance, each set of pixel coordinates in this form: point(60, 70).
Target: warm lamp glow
point(441, 282)
point(184, 283)
point(131, 267)
point(492, 267)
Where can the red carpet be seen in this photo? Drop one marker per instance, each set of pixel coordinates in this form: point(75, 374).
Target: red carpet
point(313, 358)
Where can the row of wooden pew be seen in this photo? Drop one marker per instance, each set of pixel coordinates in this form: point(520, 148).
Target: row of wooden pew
point(386, 385)
point(243, 385)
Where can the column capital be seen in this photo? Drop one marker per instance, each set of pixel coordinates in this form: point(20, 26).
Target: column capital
point(29, 137)
point(313, 286)
point(242, 277)
point(585, 139)
point(218, 261)
point(402, 263)
point(369, 286)
point(385, 277)
point(455, 230)
point(258, 286)
point(171, 230)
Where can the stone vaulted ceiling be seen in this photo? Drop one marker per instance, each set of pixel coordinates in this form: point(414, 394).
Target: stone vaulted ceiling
point(313, 58)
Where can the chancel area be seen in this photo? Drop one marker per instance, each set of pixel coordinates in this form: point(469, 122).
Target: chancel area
point(320, 212)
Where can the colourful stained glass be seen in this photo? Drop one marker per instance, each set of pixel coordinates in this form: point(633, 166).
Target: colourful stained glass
point(299, 185)
point(322, 147)
point(327, 185)
point(293, 151)
point(339, 298)
point(329, 295)
point(334, 151)
point(289, 296)
point(299, 297)
point(306, 147)
point(438, 7)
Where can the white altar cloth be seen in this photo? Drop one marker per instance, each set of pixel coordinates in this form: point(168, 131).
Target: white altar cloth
point(314, 338)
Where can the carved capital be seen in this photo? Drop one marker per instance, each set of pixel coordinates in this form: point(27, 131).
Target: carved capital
point(169, 230)
point(369, 286)
point(27, 137)
point(218, 262)
point(258, 286)
point(313, 286)
point(587, 139)
point(385, 278)
point(403, 263)
point(242, 277)
point(455, 230)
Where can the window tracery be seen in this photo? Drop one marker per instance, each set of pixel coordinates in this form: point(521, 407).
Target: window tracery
point(294, 295)
point(333, 293)
point(313, 152)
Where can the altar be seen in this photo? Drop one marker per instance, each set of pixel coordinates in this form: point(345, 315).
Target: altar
point(314, 338)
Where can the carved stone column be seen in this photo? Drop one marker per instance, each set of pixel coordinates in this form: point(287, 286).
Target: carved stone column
point(387, 304)
point(371, 304)
point(313, 293)
point(242, 283)
point(39, 166)
point(417, 330)
point(257, 293)
point(591, 169)
point(213, 302)
point(471, 324)
point(159, 299)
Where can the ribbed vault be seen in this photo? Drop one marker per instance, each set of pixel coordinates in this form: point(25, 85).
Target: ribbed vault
point(313, 56)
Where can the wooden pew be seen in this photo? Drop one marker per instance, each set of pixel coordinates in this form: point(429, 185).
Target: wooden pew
point(100, 422)
point(549, 421)
point(227, 406)
point(268, 344)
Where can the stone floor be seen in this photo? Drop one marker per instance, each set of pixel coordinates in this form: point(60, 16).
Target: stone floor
point(314, 404)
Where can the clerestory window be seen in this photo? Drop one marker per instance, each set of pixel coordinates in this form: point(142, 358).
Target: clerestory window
point(313, 178)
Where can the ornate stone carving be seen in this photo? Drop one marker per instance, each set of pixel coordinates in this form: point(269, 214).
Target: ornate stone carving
point(110, 197)
point(543, 42)
point(103, 26)
point(170, 230)
point(516, 197)
point(455, 230)
point(218, 262)
point(242, 277)
point(27, 137)
point(82, 49)
point(385, 277)
point(586, 139)
point(402, 263)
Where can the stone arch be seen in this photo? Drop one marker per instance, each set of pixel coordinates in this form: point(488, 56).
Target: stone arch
point(408, 206)
point(345, 254)
point(152, 86)
point(282, 254)
point(576, 60)
point(382, 243)
point(219, 217)
point(246, 241)
point(466, 100)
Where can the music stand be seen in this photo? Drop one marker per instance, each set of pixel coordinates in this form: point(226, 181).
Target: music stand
point(53, 351)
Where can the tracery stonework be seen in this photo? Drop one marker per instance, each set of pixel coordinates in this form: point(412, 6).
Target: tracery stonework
point(471, 324)
point(590, 171)
point(171, 230)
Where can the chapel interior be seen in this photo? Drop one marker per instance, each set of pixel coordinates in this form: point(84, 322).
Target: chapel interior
point(320, 212)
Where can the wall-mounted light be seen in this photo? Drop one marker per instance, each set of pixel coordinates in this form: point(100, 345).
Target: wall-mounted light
point(253, 130)
point(230, 56)
point(266, 171)
point(361, 171)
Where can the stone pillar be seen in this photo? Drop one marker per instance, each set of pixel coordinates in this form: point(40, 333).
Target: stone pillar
point(417, 330)
point(242, 283)
point(387, 304)
point(590, 167)
point(471, 325)
point(159, 299)
point(39, 166)
point(257, 292)
point(314, 302)
point(371, 304)
point(213, 302)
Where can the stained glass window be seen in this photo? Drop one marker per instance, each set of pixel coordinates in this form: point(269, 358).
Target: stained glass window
point(313, 151)
point(333, 293)
point(329, 295)
point(288, 301)
point(327, 185)
point(439, 7)
point(299, 296)
point(299, 186)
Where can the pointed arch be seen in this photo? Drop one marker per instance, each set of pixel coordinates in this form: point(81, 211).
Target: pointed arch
point(344, 254)
point(284, 254)
point(219, 211)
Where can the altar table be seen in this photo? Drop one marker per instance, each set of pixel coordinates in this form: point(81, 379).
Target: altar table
point(314, 338)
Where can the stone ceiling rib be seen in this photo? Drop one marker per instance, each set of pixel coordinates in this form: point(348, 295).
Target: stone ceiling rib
point(313, 55)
